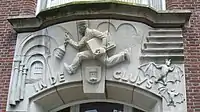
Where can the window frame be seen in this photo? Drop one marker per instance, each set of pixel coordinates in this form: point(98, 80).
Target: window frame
point(44, 4)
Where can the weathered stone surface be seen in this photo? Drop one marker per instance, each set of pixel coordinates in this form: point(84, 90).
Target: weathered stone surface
point(101, 10)
point(117, 74)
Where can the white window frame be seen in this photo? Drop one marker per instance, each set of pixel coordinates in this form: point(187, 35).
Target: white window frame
point(41, 5)
point(156, 4)
point(76, 108)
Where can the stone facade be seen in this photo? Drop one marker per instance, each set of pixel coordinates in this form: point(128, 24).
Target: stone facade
point(8, 41)
point(191, 50)
point(43, 66)
point(147, 51)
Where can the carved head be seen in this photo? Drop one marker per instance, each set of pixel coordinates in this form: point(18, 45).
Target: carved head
point(168, 62)
point(82, 25)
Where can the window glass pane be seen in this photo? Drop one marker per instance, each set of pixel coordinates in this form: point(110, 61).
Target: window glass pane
point(137, 110)
point(65, 110)
point(101, 107)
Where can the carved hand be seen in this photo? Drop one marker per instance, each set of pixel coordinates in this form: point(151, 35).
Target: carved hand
point(67, 39)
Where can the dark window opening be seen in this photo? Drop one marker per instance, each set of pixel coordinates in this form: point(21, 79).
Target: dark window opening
point(101, 107)
point(65, 110)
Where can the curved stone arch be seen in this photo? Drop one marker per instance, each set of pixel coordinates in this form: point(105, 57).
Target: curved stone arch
point(31, 37)
point(36, 58)
point(121, 25)
point(32, 54)
point(109, 24)
point(18, 49)
point(63, 96)
point(93, 101)
point(31, 49)
point(111, 29)
point(32, 63)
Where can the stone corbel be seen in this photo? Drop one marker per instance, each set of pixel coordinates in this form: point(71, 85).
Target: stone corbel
point(101, 10)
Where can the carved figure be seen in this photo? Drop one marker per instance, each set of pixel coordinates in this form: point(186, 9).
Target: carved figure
point(161, 73)
point(97, 45)
point(172, 97)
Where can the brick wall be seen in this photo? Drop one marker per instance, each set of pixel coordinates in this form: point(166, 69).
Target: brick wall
point(8, 40)
point(192, 51)
point(27, 7)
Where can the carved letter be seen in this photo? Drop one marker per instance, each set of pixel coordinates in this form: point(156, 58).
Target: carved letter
point(125, 76)
point(52, 80)
point(117, 75)
point(132, 78)
point(61, 77)
point(149, 84)
point(42, 85)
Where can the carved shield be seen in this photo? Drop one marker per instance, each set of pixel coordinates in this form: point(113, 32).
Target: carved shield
point(93, 74)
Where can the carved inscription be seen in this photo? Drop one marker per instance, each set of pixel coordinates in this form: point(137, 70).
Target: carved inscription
point(61, 77)
point(41, 85)
point(122, 75)
point(161, 76)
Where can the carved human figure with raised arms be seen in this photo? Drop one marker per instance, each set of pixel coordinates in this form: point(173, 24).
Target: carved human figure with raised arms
point(96, 47)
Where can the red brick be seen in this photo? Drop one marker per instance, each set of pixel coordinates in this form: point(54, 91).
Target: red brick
point(8, 40)
point(191, 35)
point(27, 7)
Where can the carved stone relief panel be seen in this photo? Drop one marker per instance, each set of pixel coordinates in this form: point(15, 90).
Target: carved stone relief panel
point(92, 51)
point(65, 53)
point(169, 82)
point(164, 79)
point(38, 64)
point(94, 81)
point(127, 35)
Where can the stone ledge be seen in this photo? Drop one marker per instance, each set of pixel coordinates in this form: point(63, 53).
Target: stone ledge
point(100, 10)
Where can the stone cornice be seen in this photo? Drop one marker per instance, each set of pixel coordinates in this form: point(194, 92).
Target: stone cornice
point(100, 10)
